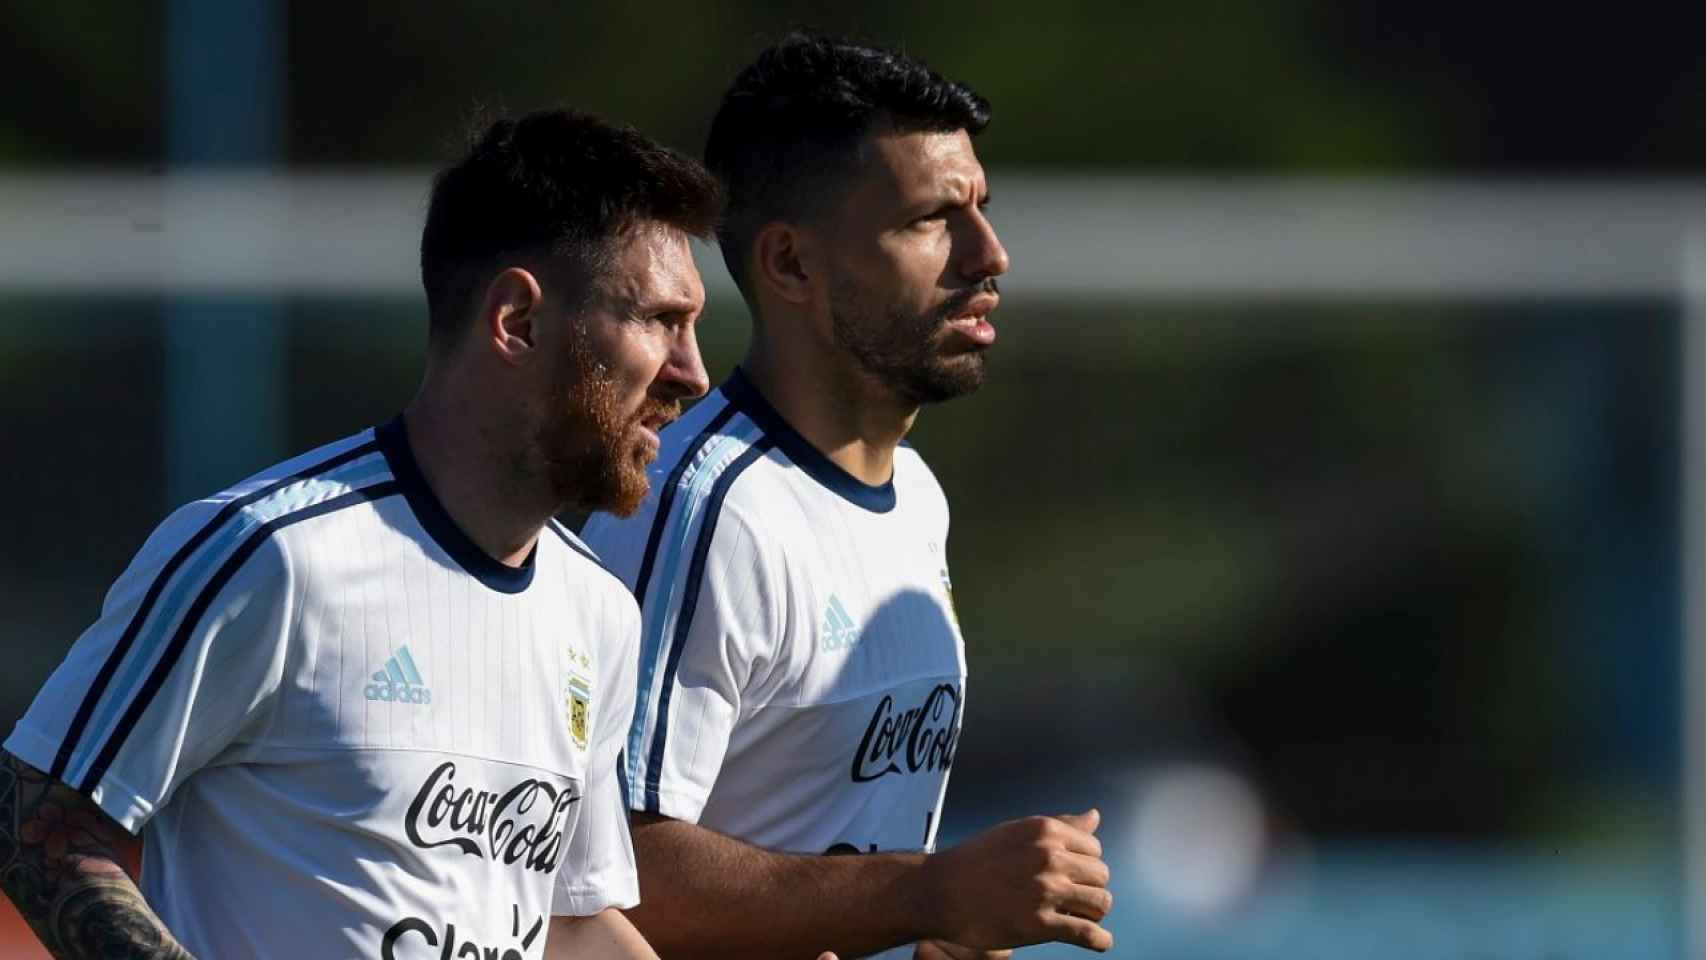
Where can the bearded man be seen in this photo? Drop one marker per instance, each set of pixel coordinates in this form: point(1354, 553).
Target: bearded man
point(802, 672)
point(368, 703)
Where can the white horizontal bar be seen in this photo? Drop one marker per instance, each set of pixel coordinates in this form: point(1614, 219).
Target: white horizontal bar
point(1070, 236)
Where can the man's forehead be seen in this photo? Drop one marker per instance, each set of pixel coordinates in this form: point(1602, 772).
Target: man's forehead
point(923, 161)
point(653, 261)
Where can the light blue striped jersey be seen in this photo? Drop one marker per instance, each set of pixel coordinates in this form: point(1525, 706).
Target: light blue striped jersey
point(342, 730)
point(802, 674)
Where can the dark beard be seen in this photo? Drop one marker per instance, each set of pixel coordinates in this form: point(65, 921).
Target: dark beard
point(592, 459)
point(903, 351)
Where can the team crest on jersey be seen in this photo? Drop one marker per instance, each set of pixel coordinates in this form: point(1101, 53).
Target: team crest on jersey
point(578, 699)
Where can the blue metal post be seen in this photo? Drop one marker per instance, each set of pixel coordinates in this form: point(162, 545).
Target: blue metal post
point(224, 353)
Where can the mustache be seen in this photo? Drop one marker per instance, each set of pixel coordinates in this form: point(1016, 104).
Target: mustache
point(960, 299)
point(669, 410)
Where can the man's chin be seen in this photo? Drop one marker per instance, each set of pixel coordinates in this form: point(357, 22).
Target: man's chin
point(625, 507)
point(633, 485)
point(950, 377)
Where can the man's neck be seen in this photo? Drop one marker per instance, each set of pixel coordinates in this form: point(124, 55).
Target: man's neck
point(471, 468)
point(840, 410)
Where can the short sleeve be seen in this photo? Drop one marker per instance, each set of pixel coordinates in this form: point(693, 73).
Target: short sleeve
point(709, 625)
point(183, 662)
point(599, 871)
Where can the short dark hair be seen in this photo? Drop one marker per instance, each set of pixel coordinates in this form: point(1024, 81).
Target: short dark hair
point(790, 127)
point(559, 183)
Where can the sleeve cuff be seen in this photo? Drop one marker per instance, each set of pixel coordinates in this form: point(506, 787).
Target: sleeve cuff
point(128, 808)
point(618, 890)
point(674, 804)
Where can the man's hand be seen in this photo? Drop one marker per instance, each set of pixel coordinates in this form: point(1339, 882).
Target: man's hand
point(705, 896)
point(1025, 881)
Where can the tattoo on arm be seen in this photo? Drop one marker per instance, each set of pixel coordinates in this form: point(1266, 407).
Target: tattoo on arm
point(60, 865)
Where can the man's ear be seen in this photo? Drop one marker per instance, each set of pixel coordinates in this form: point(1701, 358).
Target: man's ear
point(782, 262)
point(509, 314)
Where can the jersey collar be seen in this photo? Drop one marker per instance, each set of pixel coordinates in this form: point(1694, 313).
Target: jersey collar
point(437, 522)
point(746, 398)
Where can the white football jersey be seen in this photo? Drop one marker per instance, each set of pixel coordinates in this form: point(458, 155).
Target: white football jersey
point(342, 730)
point(802, 674)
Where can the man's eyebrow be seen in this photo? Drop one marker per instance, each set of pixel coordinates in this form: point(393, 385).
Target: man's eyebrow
point(950, 195)
point(667, 303)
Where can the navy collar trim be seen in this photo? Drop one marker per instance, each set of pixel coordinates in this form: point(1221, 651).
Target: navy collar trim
point(437, 522)
point(746, 398)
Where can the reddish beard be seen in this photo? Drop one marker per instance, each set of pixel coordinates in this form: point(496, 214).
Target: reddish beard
point(595, 457)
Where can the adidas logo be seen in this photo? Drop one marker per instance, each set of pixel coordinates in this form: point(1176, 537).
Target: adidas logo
point(839, 630)
point(400, 681)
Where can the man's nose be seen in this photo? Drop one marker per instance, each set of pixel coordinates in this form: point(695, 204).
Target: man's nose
point(683, 371)
point(985, 257)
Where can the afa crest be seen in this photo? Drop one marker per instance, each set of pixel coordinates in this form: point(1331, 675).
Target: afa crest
point(578, 699)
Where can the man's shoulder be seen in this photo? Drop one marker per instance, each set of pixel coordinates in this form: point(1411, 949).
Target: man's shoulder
point(301, 482)
point(913, 478)
point(315, 483)
point(584, 560)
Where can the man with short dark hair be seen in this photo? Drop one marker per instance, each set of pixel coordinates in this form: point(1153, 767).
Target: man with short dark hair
point(802, 671)
point(368, 703)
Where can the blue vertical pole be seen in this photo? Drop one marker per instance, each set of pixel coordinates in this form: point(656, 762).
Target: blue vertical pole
point(224, 353)
point(1692, 711)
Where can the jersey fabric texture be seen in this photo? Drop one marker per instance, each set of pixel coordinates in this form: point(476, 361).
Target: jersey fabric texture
point(802, 674)
point(342, 730)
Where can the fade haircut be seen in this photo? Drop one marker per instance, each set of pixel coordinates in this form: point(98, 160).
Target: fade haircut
point(791, 129)
point(556, 185)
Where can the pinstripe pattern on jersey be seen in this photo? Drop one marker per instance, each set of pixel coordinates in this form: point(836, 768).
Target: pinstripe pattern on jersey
point(201, 565)
point(255, 536)
point(104, 677)
point(579, 546)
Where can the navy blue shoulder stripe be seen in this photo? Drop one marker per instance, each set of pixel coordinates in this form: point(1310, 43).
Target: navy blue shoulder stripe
point(204, 599)
point(666, 499)
point(689, 603)
point(574, 543)
point(104, 677)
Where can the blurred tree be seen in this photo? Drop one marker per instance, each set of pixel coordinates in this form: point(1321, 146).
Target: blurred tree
point(1309, 85)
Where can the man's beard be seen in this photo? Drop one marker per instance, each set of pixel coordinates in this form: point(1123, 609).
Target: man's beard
point(903, 350)
point(593, 459)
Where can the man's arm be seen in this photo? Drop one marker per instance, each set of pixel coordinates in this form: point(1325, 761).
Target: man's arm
point(61, 863)
point(606, 935)
point(706, 895)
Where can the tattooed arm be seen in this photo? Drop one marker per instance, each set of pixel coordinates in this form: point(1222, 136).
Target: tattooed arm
point(61, 862)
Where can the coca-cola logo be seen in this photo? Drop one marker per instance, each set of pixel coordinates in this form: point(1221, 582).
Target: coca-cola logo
point(524, 824)
point(917, 739)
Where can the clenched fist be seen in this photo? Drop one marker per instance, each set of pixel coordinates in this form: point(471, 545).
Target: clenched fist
point(1022, 882)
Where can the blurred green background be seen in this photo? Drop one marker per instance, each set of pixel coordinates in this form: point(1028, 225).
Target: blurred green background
point(1359, 617)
